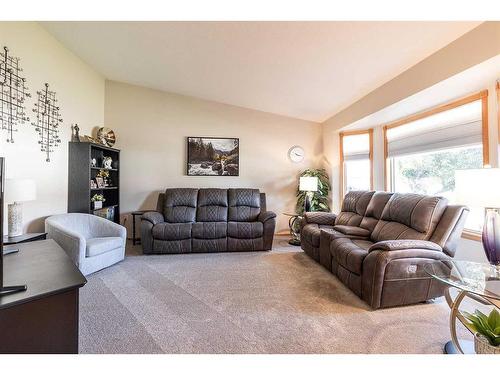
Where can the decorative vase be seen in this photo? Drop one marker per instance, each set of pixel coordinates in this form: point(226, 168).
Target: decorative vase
point(97, 205)
point(482, 346)
point(491, 236)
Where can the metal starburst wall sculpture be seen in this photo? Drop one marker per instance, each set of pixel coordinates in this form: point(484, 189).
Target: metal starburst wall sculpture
point(47, 120)
point(13, 93)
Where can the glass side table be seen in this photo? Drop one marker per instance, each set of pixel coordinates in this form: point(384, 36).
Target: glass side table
point(294, 225)
point(477, 281)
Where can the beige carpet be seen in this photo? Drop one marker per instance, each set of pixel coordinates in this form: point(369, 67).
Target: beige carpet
point(262, 302)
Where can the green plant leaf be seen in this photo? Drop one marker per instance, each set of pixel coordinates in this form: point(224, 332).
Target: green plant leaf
point(494, 319)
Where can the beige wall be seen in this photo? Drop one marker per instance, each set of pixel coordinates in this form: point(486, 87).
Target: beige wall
point(80, 91)
point(152, 127)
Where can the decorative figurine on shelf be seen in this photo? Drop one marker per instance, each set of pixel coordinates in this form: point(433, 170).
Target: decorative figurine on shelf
point(93, 184)
point(107, 162)
point(104, 175)
point(106, 136)
point(75, 133)
point(93, 162)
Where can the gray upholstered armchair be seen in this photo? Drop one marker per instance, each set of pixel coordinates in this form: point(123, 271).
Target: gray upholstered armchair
point(92, 242)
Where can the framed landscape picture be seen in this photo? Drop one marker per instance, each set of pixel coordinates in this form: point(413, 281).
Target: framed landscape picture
point(213, 156)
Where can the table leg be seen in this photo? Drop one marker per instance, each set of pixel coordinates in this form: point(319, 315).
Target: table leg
point(133, 230)
point(295, 241)
point(456, 346)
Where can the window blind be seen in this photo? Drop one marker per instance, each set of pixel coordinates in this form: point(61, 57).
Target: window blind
point(460, 126)
point(356, 147)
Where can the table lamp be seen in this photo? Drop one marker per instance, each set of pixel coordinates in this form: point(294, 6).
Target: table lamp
point(17, 191)
point(309, 185)
point(481, 187)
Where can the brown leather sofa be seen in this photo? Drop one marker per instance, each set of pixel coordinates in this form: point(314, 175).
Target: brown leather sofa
point(208, 220)
point(379, 243)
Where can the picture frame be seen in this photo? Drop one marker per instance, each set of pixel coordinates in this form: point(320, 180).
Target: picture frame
point(93, 184)
point(100, 182)
point(213, 156)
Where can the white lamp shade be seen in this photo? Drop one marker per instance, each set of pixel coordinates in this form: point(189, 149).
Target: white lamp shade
point(19, 190)
point(478, 187)
point(308, 184)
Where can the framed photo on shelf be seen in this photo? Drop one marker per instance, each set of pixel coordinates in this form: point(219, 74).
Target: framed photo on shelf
point(100, 182)
point(93, 184)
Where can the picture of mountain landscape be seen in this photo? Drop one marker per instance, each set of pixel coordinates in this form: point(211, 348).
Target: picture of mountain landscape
point(213, 156)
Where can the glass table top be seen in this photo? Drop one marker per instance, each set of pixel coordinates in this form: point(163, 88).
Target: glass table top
point(478, 278)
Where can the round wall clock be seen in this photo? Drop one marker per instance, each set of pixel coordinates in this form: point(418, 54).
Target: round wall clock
point(296, 154)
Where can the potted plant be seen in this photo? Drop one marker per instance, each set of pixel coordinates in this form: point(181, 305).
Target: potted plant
point(486, 330)
point(319, 199)
point(97, 200)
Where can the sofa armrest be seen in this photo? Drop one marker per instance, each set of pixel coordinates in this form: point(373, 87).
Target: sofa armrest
point(153, 217)
point(266, 215)
point(322, 218)
point(73, 243)
point(393, 245)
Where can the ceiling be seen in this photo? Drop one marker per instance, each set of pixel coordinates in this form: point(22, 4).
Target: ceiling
point(305, 70)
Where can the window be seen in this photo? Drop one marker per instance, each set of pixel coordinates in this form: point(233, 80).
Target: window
point(424, 151)
point(356, 160)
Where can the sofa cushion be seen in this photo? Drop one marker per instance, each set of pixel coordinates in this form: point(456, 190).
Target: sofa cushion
point(172, 231)
point(310, 233)
point(375, 209)
point(209, 230)
point(180, 205)
point(350, 253)
point(212, 205)
point(245, 229)
point(409, 216)
point(244, 204)
point(101, 245)
point(354, 207)
point(352, 231)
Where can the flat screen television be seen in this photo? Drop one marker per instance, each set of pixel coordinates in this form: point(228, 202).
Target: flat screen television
point(4, 289)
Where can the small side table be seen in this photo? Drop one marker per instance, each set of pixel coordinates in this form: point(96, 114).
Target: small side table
point(477, 281)
point(294, 232)
point(135, 240)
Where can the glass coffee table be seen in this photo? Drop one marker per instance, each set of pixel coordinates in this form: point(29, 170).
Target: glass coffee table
point(477, 281)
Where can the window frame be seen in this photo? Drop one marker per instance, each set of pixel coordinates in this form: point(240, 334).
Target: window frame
point(483, 97)
point(342, 178)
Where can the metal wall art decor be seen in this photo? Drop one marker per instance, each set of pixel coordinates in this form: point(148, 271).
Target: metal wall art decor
point(47, 120)
point(13, 93)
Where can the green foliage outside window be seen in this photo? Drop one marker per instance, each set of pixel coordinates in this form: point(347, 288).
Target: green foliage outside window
point(416, 170)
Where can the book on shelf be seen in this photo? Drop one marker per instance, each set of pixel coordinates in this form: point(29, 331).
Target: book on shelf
point(106, 212)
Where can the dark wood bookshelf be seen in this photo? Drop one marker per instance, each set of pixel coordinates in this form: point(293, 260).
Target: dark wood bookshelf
point(81, 172)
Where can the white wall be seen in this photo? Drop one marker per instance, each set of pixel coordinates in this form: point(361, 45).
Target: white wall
point(80, 91)
point(152, 126)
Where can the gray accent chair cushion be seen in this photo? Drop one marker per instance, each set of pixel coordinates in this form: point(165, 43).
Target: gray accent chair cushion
point(100, 245)
point(92, 242)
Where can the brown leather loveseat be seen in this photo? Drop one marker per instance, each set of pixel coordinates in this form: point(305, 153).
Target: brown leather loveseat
point(208, 220)
point(379, 243)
